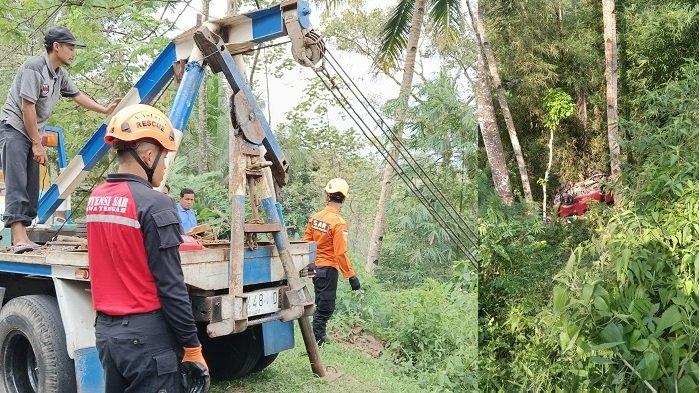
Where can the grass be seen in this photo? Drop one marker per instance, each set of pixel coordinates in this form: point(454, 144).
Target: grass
point(291, 373)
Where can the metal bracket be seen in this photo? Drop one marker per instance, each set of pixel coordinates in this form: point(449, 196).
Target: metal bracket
point(307, 45)
point(243, 116)
point(299, 297)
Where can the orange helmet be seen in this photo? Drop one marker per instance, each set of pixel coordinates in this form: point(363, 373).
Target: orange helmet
point(141, 121)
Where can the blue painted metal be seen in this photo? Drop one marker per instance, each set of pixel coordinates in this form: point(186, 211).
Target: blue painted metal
point(25, 268)
point(274, 150)
point(270, 208)
point(51, 202)
point(257, 265)
point(277, 336)
point(267, 24)
point(61, 148)
point(186, 95)
point(88, 371)
point(157, 75)
point(304, 14)
point(280, 216)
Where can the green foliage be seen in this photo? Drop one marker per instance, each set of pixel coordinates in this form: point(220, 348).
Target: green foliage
point(558, 105)
point(624, 308)
point(445, 19)
point(519, 254)
point(434, 342)
point(633, 293)
point(442, 140)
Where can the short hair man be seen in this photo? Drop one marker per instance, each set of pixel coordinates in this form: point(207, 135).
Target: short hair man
point(188, 218)
point(39, 84)
point(145, 319)
point(329, 230)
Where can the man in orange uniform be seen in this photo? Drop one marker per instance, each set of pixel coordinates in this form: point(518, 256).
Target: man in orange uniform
point(329, 230)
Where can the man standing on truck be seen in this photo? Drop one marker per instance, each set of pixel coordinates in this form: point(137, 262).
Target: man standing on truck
point(329, 230)
point(34, 92)
point(144, 315)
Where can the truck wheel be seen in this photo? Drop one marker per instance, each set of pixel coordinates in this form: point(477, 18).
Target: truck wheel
point(33, 354)
point(264, 362)
point(233, 356)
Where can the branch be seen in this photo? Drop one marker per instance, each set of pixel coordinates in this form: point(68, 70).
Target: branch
point(648, 385)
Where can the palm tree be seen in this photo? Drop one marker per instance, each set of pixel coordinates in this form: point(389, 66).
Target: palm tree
point(401, 34)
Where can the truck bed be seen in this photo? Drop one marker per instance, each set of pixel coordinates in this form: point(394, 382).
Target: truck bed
point(204, 269)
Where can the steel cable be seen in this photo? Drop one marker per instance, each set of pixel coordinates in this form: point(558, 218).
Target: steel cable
point(365, 129)
point(405, 153)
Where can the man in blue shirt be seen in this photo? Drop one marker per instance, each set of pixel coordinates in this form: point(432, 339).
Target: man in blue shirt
point(188, 218)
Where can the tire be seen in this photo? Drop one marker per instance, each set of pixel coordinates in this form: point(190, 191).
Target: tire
point(233, 356)
point(264, 362)
point(33, 354)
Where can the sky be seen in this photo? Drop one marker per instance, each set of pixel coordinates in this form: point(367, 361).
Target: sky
point(286, 92)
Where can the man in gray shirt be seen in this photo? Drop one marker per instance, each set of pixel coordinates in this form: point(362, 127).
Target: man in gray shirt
point(40, 82)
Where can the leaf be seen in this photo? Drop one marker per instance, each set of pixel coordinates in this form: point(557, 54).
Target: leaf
point(599, 304)
point(640, 345)
point(395, 35)
point(669, 318)
point(601, 360)
point(561, 298)
point(649, 365)
point(612, 334)
point(587, 292)
point(600, 347)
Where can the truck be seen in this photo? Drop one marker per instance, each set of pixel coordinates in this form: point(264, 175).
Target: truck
point(246, 292)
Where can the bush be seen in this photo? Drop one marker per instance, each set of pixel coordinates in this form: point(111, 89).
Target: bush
point(429, 330)
point(624, 309)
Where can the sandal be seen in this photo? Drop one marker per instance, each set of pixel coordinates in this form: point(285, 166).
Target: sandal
point(24, 247)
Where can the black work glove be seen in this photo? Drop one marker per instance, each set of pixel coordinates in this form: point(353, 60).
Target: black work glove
point(354, 283)
point(195, 377)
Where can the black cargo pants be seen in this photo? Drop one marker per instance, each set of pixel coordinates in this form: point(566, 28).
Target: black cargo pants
point(138, 354)
point(325, 285)
point(21, 176)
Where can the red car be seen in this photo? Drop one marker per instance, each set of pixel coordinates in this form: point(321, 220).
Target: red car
point(574, 201)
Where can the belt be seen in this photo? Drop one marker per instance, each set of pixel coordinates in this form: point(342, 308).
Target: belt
point(114, 318)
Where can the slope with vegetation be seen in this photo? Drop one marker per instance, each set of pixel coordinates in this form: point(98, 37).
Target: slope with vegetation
point(608, 302)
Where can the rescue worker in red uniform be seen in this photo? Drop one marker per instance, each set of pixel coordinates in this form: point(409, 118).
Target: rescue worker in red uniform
point(144, 316)
point(329, 230)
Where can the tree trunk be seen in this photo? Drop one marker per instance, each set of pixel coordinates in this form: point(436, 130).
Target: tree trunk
point(490, 134)
point(404, 93)
point(490, 59)
point(582, 107)
point(610, 35)
point(546, 174)
point(203, 164)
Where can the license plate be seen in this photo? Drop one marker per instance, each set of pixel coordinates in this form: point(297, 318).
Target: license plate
point(264, 301)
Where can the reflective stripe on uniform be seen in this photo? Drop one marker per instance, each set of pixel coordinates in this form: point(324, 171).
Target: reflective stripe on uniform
point(130, 222)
